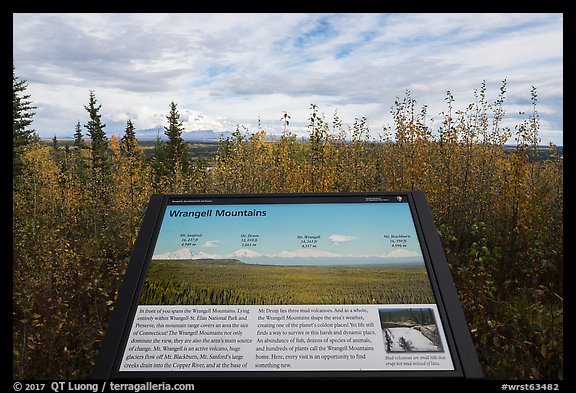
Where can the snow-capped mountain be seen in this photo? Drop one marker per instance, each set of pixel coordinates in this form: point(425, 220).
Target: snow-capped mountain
point(182, 253)
point(185, 253)
point(244, 253)
point(192, 135)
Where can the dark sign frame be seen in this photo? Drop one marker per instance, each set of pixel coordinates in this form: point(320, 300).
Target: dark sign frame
point(465, 360)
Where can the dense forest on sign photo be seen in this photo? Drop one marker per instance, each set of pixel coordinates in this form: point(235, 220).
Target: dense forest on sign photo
point(231, 282)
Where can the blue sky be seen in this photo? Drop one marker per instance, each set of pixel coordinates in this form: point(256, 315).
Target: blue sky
point(224, 70)
point(358, 230)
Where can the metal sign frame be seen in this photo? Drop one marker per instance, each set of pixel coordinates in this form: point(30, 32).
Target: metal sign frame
point(459, 341)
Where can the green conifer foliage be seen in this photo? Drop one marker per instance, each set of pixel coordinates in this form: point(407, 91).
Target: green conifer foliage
point(22, 116)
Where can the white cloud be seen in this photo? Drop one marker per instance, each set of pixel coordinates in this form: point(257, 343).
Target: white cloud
point(400, 253)
point(211, 243)
point(306, 253)
point(338, 239)
point(233, 68)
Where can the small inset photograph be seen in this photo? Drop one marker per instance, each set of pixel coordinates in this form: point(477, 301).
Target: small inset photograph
point(410, 330)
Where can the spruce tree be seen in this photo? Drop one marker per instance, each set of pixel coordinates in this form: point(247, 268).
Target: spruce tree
point(132, 159)
point(78, 137)
point(128, 143)
point(80, 155)
point(131, 153)
point(177, 149)
point(22, 115)
point(101, 177)
point(406, 345)
point(158, 162)
point(55, 143)
point(99, 141)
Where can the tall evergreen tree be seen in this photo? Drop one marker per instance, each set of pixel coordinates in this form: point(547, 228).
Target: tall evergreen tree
point(101, 174)
point(22, 116)
point(132, 155)
point(158, 162)
point(131, 169)
point(177, 149)
point(78, 137)
point(55, 142)
point(80, 155)
point(99, 141)
point(128, 143)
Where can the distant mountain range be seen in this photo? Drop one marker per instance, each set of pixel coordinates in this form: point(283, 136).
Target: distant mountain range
point(195, 135)
point(297, 258)
point(153, 133)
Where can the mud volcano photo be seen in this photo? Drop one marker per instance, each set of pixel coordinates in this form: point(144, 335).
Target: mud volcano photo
point(410, 330)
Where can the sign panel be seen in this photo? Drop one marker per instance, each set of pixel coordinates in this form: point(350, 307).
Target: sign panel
point(308, 284)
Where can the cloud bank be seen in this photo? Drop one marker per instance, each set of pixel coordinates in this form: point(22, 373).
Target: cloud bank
point(228, 69)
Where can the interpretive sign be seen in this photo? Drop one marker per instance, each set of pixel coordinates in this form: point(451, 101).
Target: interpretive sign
point(352, 284)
